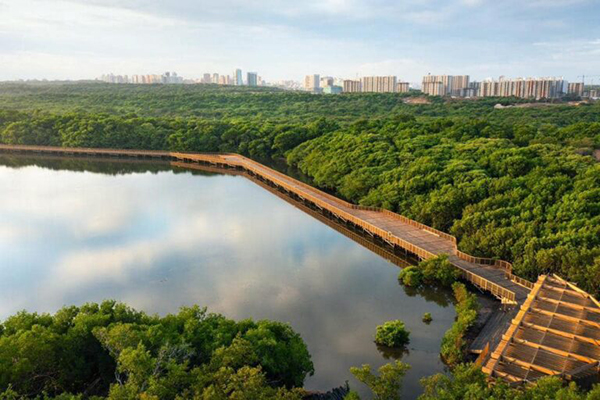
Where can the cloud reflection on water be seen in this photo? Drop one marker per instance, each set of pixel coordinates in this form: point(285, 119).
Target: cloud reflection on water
point(160, 241)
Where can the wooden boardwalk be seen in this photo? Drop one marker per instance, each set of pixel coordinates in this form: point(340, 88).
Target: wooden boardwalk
point(409, 237)
point(399, 232)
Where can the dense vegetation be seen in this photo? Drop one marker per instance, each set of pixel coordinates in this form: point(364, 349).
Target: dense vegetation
point(468, 382)
point(110, 350)
point(519, 193)
point(454, 345)
point(516, 184)
point(226, 102)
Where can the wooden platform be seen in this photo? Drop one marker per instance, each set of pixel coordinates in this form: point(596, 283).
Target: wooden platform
point(556, 332)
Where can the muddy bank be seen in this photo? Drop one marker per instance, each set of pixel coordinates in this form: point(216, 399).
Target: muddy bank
point(493, 320)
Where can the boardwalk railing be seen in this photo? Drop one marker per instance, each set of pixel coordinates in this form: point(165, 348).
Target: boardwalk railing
point(85, 151)
point(419, 225)
point(500, 264)
point(507, 296)
point(520, 281)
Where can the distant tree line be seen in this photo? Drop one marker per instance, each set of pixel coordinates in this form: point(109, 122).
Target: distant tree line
point(262, 103)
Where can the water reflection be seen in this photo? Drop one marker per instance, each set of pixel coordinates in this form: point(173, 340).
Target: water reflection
point(73, 231)
point(390, 353)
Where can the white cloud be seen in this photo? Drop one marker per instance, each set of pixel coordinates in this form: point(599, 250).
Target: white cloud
point(60, 39)
point(472, 3)
point(570, 51)
point(554, 3)
point(55, 14)
point(12, 234)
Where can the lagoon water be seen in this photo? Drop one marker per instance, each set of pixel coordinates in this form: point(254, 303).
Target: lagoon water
point(157, 237)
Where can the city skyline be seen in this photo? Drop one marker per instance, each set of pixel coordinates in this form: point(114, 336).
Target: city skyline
point(457, 86)
point(76, 39)
point(451, 84)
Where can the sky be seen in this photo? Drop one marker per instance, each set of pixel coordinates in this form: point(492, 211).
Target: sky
point(287, 39)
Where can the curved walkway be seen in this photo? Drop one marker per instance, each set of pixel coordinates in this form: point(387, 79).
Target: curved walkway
point(555, 331)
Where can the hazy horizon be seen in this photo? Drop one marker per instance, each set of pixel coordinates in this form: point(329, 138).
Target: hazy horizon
point(78, 39)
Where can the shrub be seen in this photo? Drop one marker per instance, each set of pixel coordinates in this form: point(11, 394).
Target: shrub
point(427, 318)
point(392, 334)
point(411, 276)
point(435, 270)
point(387, 385)
point(439, 270)
point(352, 395)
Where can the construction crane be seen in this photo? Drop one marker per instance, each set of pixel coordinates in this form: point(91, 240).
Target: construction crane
point(588, 76)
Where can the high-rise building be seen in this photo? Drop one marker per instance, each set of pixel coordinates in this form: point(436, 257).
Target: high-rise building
point(445, 85)
point(166, 78)
point(327, 81)
point(379, 84)
point(351, 86)
point(174, 78)
point(312, 83)
point(537, 88)
point(576, 88)
point(238, 77)
point(472, 90)
point(403, 87)
point(459, 84)
point(252, 79)
point(433, 86)
point(215, 78)
point(488, 88)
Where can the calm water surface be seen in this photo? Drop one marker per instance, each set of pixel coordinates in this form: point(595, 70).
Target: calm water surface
point(75, 231)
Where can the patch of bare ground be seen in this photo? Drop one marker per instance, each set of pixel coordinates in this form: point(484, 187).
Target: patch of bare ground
point(417, 100)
